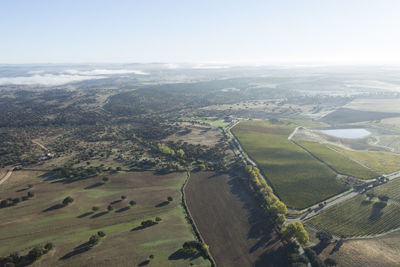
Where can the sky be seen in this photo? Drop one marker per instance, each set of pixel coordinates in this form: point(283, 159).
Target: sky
point(212, 31)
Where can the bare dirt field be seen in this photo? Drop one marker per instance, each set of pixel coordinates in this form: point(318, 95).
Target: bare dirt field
point(382, 252)
point(231, 222)
point(200, 135)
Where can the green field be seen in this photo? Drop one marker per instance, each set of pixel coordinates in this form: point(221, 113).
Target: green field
point(32, 223)
point(390, 189)
point(293, 173)
point(212, 121)
point(381, 161)
point(337, 161)
point(359, 216)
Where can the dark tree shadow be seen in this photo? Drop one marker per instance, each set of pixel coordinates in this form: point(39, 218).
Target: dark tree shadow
point(214, 175)
point(94, 185)
point(97, 215)
point(77, 250)
point(54, 207)
point(261, 227)
point(116, 201)
point(276, 257)
point(182, 254)
point(337, 246)
point(21, 190)
point(318, 248)
point(137, 228)
point(85, 214)
point(376, 212)
point(144, 263)
point(123, 209)
point(162, 204)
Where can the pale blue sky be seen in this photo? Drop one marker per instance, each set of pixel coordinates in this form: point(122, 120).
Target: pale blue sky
point(297, 31)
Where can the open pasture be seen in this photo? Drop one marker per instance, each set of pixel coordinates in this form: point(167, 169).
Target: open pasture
point(381, 161)
point(42, 219)
point(294, 174)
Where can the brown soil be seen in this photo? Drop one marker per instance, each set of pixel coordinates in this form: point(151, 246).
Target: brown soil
point(231, 222)
point(383, 251)
point(198, 136)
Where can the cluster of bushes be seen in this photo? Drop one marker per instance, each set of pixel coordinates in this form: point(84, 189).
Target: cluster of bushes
point(210, 158)
point(14, 259)
point(294, 258)
point(295, 230)
point(77, 173)
point(164, 149)
point(14, 201)
point(313, 258)
point(273, 206)
point(194, 248)
point(94, 240)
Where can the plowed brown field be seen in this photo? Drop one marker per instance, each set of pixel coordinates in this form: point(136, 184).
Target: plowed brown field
point(231, 222)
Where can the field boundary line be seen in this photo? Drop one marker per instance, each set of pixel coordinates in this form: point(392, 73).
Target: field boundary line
point(315, 157)
point(355, 160)
point(192, 222)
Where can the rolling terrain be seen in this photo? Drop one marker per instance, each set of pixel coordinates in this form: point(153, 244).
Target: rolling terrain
point(42, 219)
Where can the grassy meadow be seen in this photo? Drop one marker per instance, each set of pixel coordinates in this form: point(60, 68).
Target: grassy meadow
point(337, 161)
point(293, 173)
point(381, 161)
point(41, 219)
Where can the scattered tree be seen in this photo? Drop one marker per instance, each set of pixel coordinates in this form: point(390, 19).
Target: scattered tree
point(67, 201)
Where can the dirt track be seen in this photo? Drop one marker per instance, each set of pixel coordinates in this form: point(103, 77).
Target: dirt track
point(7, 176)
point(231, 222)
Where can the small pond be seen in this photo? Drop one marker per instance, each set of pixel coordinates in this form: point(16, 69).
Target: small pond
point(347, 133)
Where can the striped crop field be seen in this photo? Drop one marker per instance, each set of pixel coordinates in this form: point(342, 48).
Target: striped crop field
point(364, 215)
point(337, 161)
point(296, 177)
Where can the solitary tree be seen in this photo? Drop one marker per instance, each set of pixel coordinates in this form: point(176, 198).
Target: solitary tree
point(67, 200)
